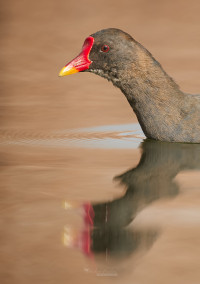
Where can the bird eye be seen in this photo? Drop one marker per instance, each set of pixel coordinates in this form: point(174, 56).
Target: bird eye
point(105, 48)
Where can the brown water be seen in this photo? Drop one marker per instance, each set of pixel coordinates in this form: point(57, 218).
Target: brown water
point(84, 198)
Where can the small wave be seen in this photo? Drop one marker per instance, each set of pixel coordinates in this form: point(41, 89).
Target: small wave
point(107, 136)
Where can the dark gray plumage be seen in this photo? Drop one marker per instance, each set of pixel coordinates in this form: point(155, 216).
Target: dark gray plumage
point(164, 112)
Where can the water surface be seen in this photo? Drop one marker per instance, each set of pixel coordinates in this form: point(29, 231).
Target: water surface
point(72, 211)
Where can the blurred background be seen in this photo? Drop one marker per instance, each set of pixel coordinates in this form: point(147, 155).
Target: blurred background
point(39, 37)
point(44, 241)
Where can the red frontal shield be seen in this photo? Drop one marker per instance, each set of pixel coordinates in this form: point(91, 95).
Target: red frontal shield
point(81, 62)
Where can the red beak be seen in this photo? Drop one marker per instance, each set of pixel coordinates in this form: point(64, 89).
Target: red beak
point(81, 62)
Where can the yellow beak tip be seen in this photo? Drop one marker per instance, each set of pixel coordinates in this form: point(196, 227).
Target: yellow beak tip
point(61, 74)
point(67, 71)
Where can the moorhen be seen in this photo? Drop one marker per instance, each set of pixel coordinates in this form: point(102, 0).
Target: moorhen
point(164, 112)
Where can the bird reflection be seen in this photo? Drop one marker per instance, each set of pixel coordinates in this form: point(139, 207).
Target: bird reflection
point(106, 224)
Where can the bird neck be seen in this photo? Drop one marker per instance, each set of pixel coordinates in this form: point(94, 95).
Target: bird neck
point(151, 92)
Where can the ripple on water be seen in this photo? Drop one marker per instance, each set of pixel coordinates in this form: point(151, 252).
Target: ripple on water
point(107, 136)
